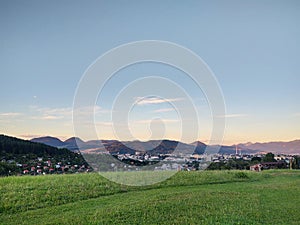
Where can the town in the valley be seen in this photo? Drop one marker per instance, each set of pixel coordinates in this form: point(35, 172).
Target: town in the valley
point(132, 162)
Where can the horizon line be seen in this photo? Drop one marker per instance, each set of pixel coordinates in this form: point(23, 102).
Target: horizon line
point(30, 137)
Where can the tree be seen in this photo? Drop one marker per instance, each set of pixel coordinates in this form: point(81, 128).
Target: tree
point(269, 157)
point(7, 169)
point(256, 159)
point(297, 162)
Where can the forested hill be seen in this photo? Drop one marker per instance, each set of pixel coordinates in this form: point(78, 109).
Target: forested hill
point(15, 146)
point(19, 156)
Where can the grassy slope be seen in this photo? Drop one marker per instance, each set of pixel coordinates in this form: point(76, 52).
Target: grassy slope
point(211, 197)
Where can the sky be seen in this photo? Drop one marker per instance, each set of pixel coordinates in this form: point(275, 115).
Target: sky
point(252, 48)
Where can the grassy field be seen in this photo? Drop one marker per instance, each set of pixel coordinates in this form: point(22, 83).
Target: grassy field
point(208, 197)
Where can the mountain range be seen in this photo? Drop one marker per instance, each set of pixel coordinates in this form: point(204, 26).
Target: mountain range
point(27, 151)
point(165, 146)
point(289, 147)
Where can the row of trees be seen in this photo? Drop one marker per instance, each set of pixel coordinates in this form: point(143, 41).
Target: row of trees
point(241, 164)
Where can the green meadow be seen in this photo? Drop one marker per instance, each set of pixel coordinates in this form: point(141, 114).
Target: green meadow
point(198, 197)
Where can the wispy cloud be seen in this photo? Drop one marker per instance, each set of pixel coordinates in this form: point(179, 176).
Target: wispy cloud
point(87, 110)
point(10, 114)
point(100, 110)
point(233, 115)
point(163, 110)
point(49, 117)
point(155, 100)
point(296, 115)
point(106, 124)
point(60, 112)
point(156, 121)
point(46, 113)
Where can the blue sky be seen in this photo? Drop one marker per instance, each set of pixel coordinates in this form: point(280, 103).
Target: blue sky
point(251, 46)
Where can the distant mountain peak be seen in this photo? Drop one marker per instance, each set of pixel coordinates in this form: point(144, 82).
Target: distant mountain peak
point(48, 140)
point(166, 145)
point(286, 147)
point(195, 143)
point(47, 137)
point(74, 139)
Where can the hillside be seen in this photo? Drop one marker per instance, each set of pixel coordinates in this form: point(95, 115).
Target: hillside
point(16, 146)
point(218, 197)
point(19, 155)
